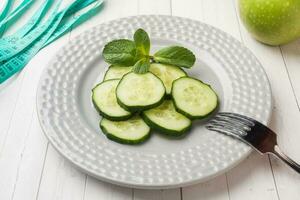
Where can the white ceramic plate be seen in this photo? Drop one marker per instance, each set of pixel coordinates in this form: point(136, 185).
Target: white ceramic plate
point(72, 124)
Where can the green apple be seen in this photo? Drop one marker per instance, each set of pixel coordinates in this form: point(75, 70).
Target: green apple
point(273, 22)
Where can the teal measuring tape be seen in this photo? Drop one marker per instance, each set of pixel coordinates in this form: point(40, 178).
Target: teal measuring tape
point(5, 9)
point(14, 14)
point(11, 47)
point(67, 24)
point(19, 61)
point(3, 14)
point(34, 20)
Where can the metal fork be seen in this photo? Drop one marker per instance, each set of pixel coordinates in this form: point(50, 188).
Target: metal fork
point(251, 132)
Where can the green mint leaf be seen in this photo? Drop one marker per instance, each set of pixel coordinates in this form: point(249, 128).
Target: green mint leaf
point(175, 55)
point(142, 42)
point(120, 52)
point(142, 66)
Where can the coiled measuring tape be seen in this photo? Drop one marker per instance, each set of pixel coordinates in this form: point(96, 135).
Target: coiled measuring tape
point(19, 10)
point(54, 30)
point(67, 24)
point(32, 22)
point(5, 9)
point(14, 45)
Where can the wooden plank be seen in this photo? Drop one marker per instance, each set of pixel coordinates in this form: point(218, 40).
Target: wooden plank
point(287, 181)
point(171, 194)
point(23, 136)
point(96, 189)
point(150, 7)
point(31, 164)
point(286, 116)
point(111, 10)
point(291, 55)
point(215, 189)
point(10, 90)
point(252, 179)
point(192, 9)
point(8, 94)
point(60, 180)
point(23, 147)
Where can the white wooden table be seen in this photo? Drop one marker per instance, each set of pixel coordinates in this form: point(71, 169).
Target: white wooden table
point(31, 169)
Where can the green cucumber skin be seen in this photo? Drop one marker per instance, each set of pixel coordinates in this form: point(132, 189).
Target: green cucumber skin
point(107, 72)
point(121, 118)
point(192, 117)
point(124, 141)
point(140, 108)
point(164, 130)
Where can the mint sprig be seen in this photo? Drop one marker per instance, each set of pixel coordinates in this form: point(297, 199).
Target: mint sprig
point(142, 42)
point(175, 55)
point(136, 53)
point(120, 52)
point(141, 66)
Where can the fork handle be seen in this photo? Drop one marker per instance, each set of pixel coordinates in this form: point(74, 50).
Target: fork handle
point(278, 153)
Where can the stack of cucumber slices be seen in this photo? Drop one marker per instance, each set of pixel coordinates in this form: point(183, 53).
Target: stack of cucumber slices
point(140, 92)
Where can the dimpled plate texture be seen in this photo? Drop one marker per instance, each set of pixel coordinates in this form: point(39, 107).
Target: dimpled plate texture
point(71, 123)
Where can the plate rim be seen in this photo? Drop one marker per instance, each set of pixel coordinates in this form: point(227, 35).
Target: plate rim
point(127, 183)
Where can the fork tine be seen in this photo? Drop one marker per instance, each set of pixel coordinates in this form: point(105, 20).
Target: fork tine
point(237, 115)
point(219, 122)
point(249, 121)
point(221, 129)
point(238, 123)
point(228, 126)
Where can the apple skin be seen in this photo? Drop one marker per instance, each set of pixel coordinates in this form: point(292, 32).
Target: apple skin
point(272, 22)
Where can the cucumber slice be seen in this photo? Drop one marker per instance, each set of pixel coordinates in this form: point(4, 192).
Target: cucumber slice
point(131, 131)
point(167, 73)
point(137, 92)
point(116, 72)
point(193, 98)
point(105, 101)
point(167, 120)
